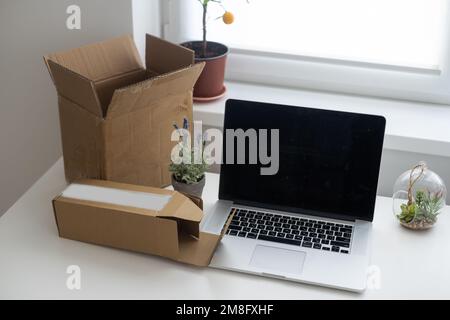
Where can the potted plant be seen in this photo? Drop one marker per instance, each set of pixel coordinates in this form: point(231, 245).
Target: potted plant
point(188, 176)
point(210, 85)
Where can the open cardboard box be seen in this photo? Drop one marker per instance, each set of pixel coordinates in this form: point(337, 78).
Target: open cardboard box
point(137, 218)
point(116, 116)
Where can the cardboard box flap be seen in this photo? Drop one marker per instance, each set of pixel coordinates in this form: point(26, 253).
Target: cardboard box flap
point(75, 88)
point(187, 213)
point(199, 251)
point(163, 56)
point(144, 94)
point(181, 207)
point(105, 88)
point(101, 60)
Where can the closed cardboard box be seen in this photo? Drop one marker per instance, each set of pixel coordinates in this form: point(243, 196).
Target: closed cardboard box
point(116, 116)
point(137, 218)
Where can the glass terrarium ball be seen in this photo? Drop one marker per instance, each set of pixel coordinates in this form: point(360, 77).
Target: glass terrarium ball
point(419, 196)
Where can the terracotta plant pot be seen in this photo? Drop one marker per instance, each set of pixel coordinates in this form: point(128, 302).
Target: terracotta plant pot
point(210, 83)
point(190, 189)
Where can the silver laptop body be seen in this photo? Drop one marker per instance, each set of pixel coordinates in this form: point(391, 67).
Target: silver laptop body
point(298, 238)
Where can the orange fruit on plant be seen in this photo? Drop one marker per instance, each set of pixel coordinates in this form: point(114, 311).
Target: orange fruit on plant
point(228, 17)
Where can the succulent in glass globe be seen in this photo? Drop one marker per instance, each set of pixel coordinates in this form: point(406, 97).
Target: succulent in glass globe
point(419, 195)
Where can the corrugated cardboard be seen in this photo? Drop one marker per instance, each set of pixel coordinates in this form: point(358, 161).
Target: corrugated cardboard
point(116, 116)
point(172, 232)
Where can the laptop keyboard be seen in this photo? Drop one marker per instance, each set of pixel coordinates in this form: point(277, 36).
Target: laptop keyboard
point(308, 233)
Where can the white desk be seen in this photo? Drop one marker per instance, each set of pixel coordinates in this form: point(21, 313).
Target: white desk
point(33, 261)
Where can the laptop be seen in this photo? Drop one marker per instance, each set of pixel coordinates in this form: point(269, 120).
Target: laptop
point(308, 217)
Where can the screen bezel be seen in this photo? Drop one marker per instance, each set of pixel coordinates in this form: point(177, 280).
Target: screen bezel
point(223, 195)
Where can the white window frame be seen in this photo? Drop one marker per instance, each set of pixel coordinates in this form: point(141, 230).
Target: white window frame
point(316, 73)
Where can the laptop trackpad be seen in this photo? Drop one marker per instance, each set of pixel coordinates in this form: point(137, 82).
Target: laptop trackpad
point(277, 259)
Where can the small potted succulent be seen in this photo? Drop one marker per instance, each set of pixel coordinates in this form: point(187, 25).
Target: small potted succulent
point(188, 176)
point(210, 85)
point(419, 196)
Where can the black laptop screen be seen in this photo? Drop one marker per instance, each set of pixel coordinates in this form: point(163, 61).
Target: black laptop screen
point(328, 161)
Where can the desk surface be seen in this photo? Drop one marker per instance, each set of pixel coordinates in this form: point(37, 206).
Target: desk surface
point(34, 260)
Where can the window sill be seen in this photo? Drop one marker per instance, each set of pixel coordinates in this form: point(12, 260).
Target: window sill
point(411, 126)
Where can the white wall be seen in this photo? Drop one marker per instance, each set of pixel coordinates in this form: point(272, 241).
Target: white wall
point(29, 126)
point(146, 19)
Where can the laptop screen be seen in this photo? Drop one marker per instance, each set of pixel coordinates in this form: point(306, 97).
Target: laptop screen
point(328, 161)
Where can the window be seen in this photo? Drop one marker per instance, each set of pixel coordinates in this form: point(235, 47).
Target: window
point(391, 48)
